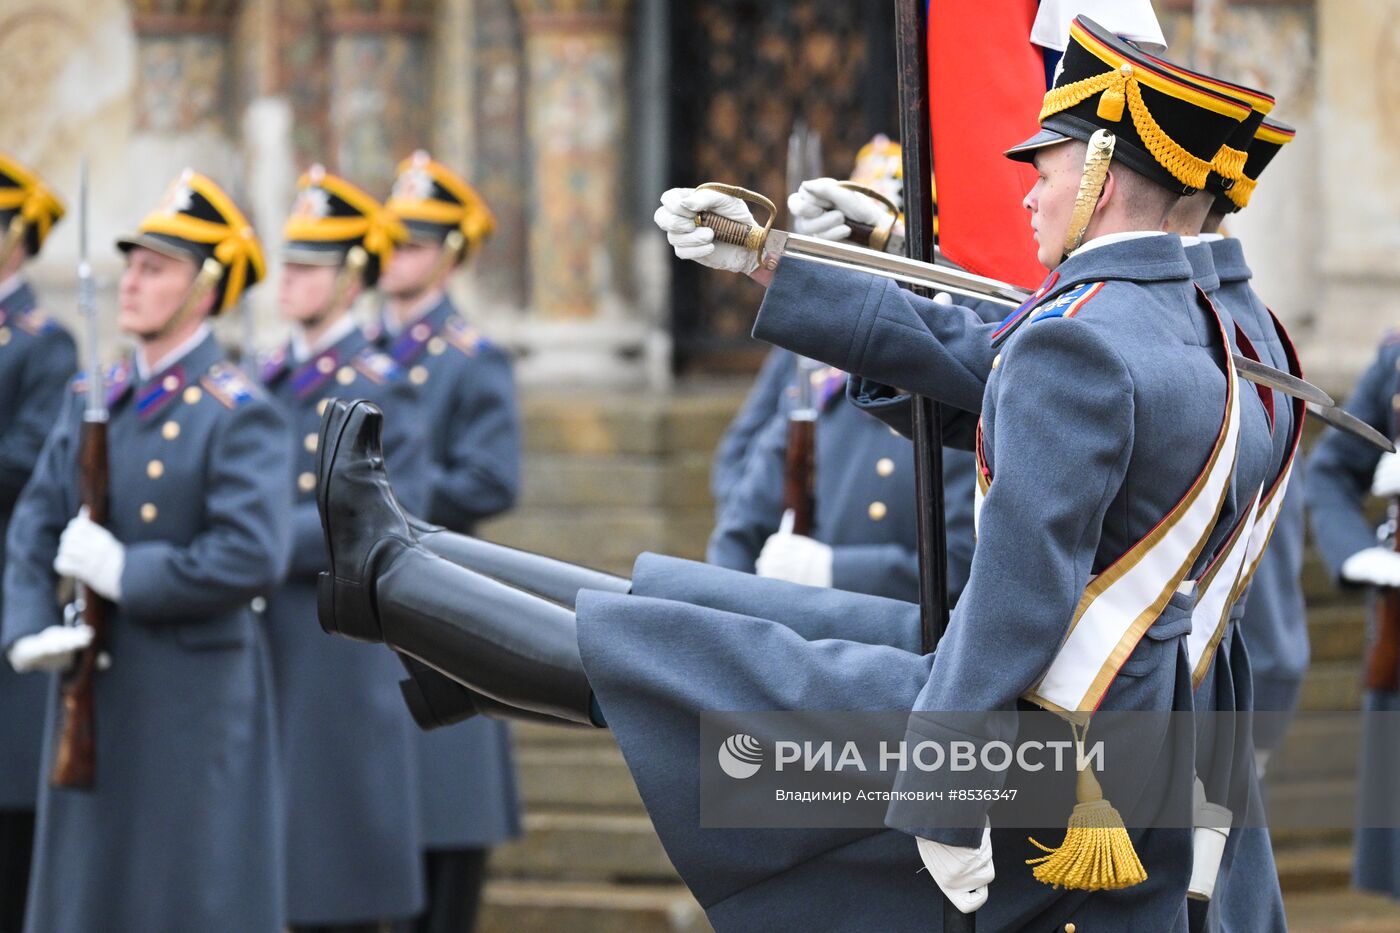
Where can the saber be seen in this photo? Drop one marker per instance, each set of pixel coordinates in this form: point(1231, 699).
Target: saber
point(1343, 420)
point(772, 245)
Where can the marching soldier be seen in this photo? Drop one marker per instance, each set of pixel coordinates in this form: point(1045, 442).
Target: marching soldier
point(466, 392)
point(1148, 465)
point(180, 831)
point(1341, 473)
point(347, 744)
point(37, 359)
point(1275, 619)
point(1246, 891)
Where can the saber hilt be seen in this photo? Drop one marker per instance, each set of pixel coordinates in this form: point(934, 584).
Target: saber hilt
point(876, 237)
point(737, 232)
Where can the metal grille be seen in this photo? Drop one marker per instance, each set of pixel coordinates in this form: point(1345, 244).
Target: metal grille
point(742, 72)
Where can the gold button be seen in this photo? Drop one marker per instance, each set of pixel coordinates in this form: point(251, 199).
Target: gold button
point(1126, 70)
point(4, 336)
point(193, 395)
point(310, 442)
point(877, 511)
point(170, 383)
point(420, 331)
point(996, 361)
point(321, 406)
point(418, 375)
point(1069, 928)
point(325, 364)
point(155, 469)
point(306, 482)
point(345, 376)
point(436, 346)
point(884, 466)
point(148, 513)
point(170, 430)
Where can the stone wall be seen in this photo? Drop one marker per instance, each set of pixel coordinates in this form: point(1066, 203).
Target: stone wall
point(535, 100)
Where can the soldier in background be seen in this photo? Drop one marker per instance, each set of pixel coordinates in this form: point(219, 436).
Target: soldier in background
point(877, 165)
point(1342, 472)
point(346, 741)
point(466, 392)
point(865, 538)
point(37, 358)
point(181, 830)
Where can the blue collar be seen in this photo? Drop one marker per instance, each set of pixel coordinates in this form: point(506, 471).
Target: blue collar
point(1229, 261)
point(20, 300)
point(1202, 261)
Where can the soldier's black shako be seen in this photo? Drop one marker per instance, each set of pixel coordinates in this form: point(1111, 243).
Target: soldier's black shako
point(1167, 129)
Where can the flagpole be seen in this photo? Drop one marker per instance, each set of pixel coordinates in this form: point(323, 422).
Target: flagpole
point(911, 50)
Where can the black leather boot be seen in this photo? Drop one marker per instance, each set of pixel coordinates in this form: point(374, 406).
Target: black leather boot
point(556, 580)
point(510, 646)
point(436, 700)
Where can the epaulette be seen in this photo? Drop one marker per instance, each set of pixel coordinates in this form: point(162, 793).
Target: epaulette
point(463, 336)
point(375, 366)
point(1068, 304)
point(228, 384)
point(35, 321)
point(115, 376)
point(271, 365)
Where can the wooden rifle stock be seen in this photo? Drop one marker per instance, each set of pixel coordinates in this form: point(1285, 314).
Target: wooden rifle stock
point(1383, 661)
point(800, 471)
point(75, 756)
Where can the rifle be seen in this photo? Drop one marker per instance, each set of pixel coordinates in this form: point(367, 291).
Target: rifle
point(75, 755)
point(1383, 661)
point(800, 466)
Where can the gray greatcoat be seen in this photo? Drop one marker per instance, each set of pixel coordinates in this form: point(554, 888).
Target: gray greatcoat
point(182, 831)
point(1129, 393)
point(466, 402)
point(347, 741)
point(37, 360)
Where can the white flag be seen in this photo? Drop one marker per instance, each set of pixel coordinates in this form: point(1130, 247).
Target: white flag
point(1131, 19)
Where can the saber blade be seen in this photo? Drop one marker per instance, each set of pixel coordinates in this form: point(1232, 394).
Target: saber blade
point(1343, 420)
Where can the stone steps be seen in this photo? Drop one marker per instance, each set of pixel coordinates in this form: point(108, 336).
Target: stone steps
point(512, 906)
point(585, 847)
point(583, 779)
point(1341, 912)
point(1313, 868)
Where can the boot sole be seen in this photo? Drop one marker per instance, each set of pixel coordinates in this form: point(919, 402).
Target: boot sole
point(342, 606)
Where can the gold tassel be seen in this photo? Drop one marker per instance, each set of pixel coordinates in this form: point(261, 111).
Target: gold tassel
point(1112, 102)
point(1097, 854)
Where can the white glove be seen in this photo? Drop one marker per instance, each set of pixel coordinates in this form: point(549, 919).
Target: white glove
point(49, 650)
point(1212, 828)
point(676, 215)
point(87, 552)
point(821, 207)
point(795, 558)
point(1386, 482)
point(962, 873)
point(1378, 566)
point(1261, 762)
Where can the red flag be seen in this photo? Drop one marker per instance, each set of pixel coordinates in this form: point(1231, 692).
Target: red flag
point(986, 83)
